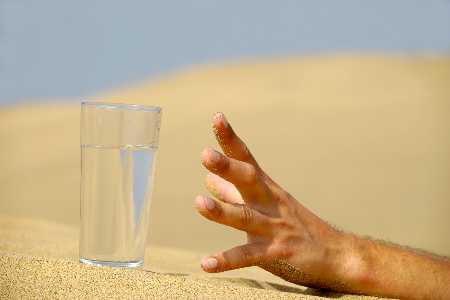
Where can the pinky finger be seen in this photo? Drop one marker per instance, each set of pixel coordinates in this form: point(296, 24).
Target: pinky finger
point(238, 257)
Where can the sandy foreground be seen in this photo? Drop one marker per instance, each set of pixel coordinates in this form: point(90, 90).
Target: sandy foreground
point(39, 259)
point(364, 141)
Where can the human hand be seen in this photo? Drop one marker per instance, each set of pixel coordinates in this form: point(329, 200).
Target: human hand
point(283, 236)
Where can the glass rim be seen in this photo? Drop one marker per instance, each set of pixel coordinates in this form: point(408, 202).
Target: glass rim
point(124, 106)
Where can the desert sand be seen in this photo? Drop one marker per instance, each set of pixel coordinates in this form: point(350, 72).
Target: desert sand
point(364, 141)
point(39, 259)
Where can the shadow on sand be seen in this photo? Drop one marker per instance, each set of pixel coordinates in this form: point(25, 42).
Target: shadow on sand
point(267, 285)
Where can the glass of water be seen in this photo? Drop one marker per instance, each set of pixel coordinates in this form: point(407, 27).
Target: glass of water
point(118, 152)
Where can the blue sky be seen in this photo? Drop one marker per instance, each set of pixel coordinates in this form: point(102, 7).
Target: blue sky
point(52, 49)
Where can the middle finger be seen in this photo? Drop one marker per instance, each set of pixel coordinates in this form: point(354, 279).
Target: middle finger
point(238, 216)
point(243, 175)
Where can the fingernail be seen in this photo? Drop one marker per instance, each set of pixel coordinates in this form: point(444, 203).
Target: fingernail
point(209, 263)
point(218, 116)
point(199, 201)
point(214, 156)
point(209, 203)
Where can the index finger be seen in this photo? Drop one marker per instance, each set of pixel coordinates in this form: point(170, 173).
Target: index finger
point(228, 140)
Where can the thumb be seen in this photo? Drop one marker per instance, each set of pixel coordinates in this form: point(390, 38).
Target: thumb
point(238, 257)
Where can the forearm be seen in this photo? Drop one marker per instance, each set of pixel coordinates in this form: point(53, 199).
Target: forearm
point(379, 268)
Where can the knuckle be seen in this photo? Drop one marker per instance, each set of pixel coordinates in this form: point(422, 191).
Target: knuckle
point(222, 265)
point(217, 212)
point(222, 164)
point(282, 225)
point(284, 250)
point(246, 254)
point(246, 216)
point(282, 198)
point(252, 175)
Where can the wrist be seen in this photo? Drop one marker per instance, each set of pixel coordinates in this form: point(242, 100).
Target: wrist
point(348, 262)
point(355, 262)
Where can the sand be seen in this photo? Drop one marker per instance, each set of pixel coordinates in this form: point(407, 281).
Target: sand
point(38, 259)
point(363, 141)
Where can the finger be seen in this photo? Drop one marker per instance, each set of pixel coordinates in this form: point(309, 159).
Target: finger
point(222, 189)
point(238, 216)
point(239, 173)
point(230, 143)
point(235, 258)
point(244, 176)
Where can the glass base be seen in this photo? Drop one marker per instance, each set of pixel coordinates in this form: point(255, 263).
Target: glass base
point(112, 264)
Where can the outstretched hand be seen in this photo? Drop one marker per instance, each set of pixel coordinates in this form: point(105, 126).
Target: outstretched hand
point(283, 236)
point(288, 240)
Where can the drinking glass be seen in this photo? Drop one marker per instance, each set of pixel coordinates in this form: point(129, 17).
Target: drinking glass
point(118, 151)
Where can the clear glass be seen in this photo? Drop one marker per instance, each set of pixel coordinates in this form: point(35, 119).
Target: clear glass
point(118, 152)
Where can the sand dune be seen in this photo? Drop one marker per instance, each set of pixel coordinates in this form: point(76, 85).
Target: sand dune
point(362, 141)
